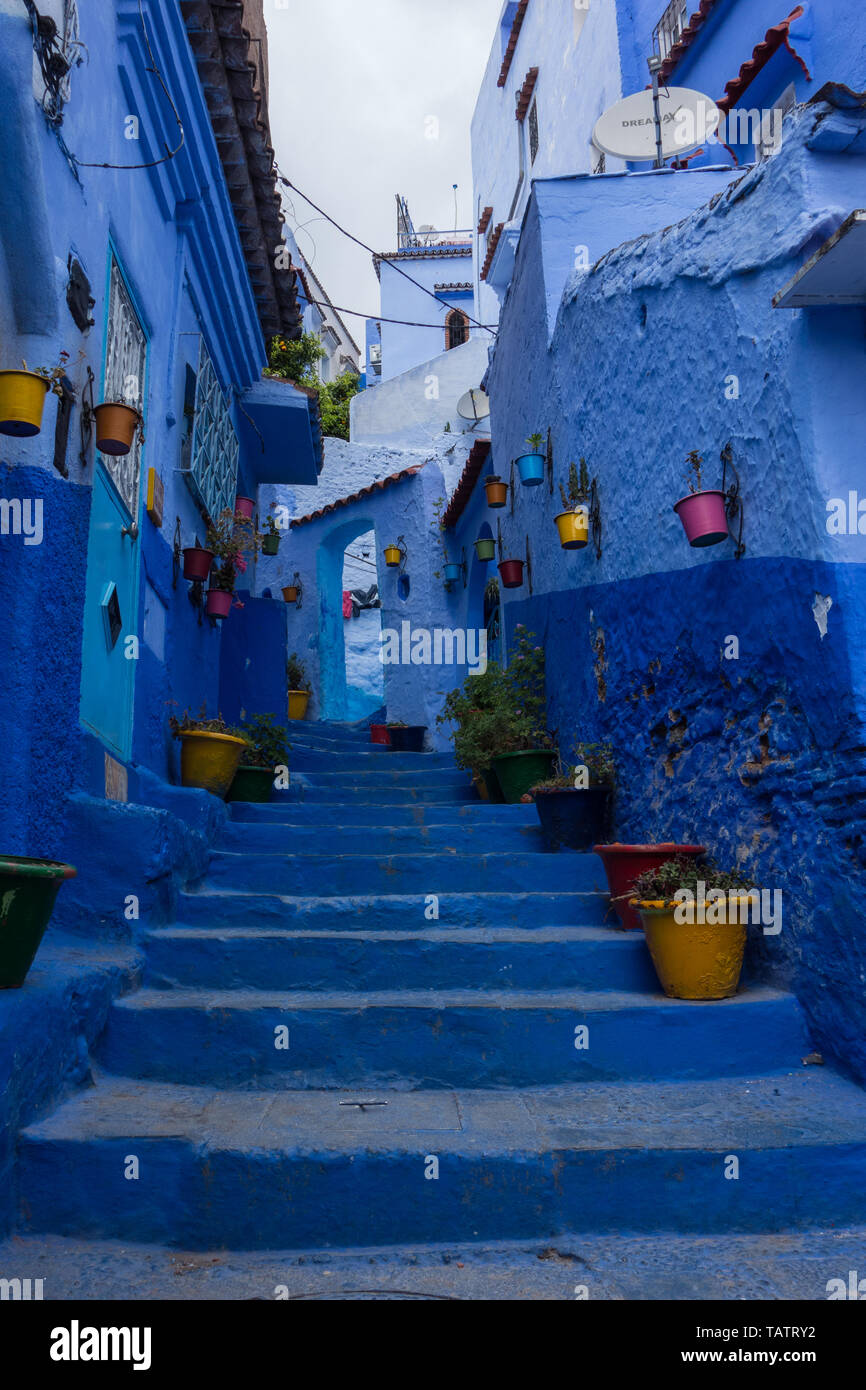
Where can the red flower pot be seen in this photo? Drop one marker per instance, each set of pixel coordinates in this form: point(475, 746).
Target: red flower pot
point(512, 573)
point(624, 863)
point(704, 518)
point(245, 506)
point(197, 562)
point(219, 603)
point(379, 734)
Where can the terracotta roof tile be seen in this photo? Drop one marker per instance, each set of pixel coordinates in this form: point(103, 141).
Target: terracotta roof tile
point(356, 496)
point(774, 39)
point(459, 500)
point(485, 221)
point(524, 96)
point(516, 27)
point(491, 249)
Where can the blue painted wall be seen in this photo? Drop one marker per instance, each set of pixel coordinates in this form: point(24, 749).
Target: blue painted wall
point(671, 343)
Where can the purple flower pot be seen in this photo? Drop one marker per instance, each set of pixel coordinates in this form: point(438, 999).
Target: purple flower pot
point(245, 506)
point(704, 518)
point(219, 603)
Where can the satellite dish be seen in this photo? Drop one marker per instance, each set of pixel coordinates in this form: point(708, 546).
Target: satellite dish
point(628, 129)
point(475, 405)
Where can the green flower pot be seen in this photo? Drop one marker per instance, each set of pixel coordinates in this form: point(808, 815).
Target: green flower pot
point(485, 548)
point(28, 890)
point(252, 784)
point(270, 544)
point(518, 772)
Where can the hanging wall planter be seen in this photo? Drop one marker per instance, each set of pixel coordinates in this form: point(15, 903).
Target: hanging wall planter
point(392, 556)
point(270, 543)
point(704, 517)
point(219, 603)
point(485, 549)
point(28, 890)
point(116, 424)
point(452, 572)
point(197, 563)
point(512, 573)
point(573, 528)
point(290, 593)
point(22, 402)
point(623, 864)
point(531, 469)
point(497, 491)
point(245, 506)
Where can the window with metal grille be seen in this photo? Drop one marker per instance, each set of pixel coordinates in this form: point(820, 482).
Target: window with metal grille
point(125, 365)
point(456, 329)
point(533, 132)
point(670, 27)
point(210, 460)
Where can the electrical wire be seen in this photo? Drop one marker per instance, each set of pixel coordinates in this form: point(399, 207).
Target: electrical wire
point(287, 183)
point(379, 318)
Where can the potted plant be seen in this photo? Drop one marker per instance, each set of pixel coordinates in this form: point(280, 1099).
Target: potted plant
point(299, 688)
point(28, 891)
point(271, 537)
point(624, 864)
point(116, 424)
point(574, 805)
point(531, 466)
point(526, 751)
point(572, 522)
point(23, 394)
point(266, 750)
point(703, 512)
point(449, 570)
point(245, 507)
point(511, 572)
point(210, 751)
point(392, 556)
point(290, 593)
point(197, 562)
point(406, 738)
point(694, 916)
point(379, 734)
point(485, 549)
point(474, 711)
point(497, 491)
point(230, 537)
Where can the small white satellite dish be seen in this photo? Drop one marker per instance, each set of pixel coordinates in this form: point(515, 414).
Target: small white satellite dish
point(475, 405)
point(628, 130)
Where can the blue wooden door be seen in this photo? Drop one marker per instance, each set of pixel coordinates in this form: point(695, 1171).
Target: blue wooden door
point(111, 593)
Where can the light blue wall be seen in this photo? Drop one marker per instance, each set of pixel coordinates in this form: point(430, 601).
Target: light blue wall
point(406, 347)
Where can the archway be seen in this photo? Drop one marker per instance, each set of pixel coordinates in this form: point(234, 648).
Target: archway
point(350, 671)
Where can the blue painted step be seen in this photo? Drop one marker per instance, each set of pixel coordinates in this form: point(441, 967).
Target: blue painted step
point(298, 1170)
point(356, 779)
point(326, 875)
point(380, 792)
point(586, 958)
point(392, 911)
point(297, 837)
point(453, 814)
point(305, 759)
point(423, 1039)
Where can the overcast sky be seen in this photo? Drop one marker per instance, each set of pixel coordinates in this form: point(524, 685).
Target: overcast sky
point(351, 88)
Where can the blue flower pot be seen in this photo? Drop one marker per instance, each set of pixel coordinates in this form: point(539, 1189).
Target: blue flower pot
point(452, 572)
point(531, 468)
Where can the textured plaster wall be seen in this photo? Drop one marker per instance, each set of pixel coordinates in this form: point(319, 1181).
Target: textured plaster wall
point(410, 410)
point(761, 757)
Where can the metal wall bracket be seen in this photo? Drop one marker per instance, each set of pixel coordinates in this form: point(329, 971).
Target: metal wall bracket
point(528, 564)
point(733, 500)
point(296, 584)
point(87, 418)
point(404, 554)
point(595, 518)
point(549, 461)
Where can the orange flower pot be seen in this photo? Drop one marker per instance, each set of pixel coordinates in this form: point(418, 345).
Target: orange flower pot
point(497, 492)
point(115, 428)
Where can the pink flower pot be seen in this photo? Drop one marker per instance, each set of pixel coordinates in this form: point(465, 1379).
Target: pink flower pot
point(245, 506)
point(219, 603)
point(704, 518)
point(512, 573)
point(197, 562)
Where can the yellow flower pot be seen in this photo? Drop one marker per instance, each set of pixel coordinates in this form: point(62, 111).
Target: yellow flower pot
point(694, 960)
point(573, 527)
point(392, 556)
point(22, 401)
point(298, 701)
point(210, 760)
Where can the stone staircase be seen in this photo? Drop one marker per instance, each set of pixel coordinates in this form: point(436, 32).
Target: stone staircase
point(317, 1060)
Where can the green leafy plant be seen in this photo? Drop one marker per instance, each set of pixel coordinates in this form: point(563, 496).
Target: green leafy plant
point(597, 758)
point(268, 742)
point(694, 476)
point(201, 723)
point(535, 442)
point(437, 526)
point(232, 538)
point(397, 724)
point(661, 883)
point(298, 362)
point(500, 710)
point(296, 675)
point(491, 591)
point(579, 486)
point(53, 375)
point(335, 399)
